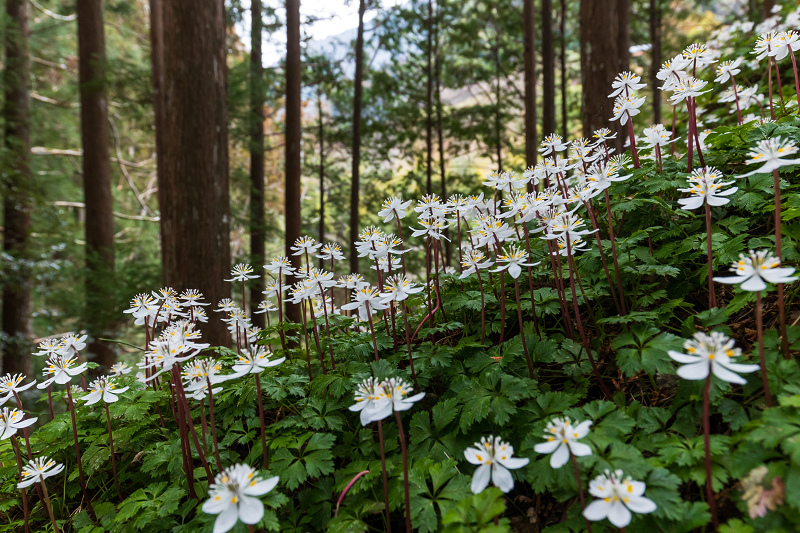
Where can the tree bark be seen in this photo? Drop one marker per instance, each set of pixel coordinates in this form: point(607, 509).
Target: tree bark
point(563, 49)
point(655, 57)
point(601, 60)
point(548, 70)
point(429, 103)
point(193, 187)
point(293, 139)
point(354, 183)
point(321, 140)
point(17, 202)
point(257, 222)
point(437, 60)
point(767, 9)
point(100, 312)
point(529, 40)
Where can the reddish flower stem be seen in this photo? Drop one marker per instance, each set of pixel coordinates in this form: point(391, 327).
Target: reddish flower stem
point(762, 361)
point(712, 504)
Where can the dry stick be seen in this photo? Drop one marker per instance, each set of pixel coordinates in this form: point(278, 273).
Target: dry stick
point(776, 184)
point(261, 419)
point(78, 455)
point(111, 447)
point(522, 330)
point(580, 489)
point(24, 492)
point(761, 358)
point(385, 477)
point(614, 253)
point(571, 266)
point(405, 469)
point(712, 504)
point(712, 293)
point(49, 507)
point(213, 424)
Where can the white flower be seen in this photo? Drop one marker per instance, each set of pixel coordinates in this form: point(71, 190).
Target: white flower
point(392, 207)
point(392, 396)
point(254, 361)
point(232, 497)
point(11, 420)
point(771, 154)
point(562, 439)
point(602, 135)
point(304, 245)
point(657, 135)
point(698, 55)
point(398, 288)
point(192, 297)
point(728, 69)
point(552, 143)
point(472, 261)
point(495, 458)
point(241, 272)
point(330, 250)
point(617, 498)
point(367, 395)
point(121, 369)
point(352, 281)
point(38, 470)
point(513, 259)
point(714, 352)
point(672, 72)
point(61, 370)
point(706, 189)
point(367, 300)
point(72, 344)
point(757, 268)
point(280, 265)
point(688, 87)
point(142, 305)
point(12, 384)
point(626, 107)
point(102, 389)
point(627, 82)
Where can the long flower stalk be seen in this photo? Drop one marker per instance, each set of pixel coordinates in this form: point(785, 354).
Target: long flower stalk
point(385, 478)
point(613, 240)
point(15, 445)
point(261, 421)
point(49, 506)
point(78, 455)
point(776, 185)
point(522, 330)
point(111, 449)
point(404, 452)
point(580, 489)
point(213, 424)
point(712, 293)
point(712, 504)
point(762, 361)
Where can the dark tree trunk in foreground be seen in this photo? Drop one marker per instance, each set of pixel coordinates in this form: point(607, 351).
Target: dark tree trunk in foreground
point(548, 70)
point(292, 154)
point(321, 134)
point(529, 39)
point(193, 186)
point(563, 49)
point(257, 222)
point(604, 54)
point(354, 183)
point(100, 312)
point(429, 104)
point(16, 354)
point(437, 60)
point(655, 57)
point(767, 9)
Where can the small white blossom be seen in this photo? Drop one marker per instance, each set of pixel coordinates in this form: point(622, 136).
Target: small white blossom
point(495, 458)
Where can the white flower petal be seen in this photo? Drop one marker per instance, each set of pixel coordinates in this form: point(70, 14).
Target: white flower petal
point(597, 510)
point(560, 457)
point(619, 515)
point(579, 449)
point(251, 510)
point(501, 477)
point(547, 447)
point(641, 505)
point(481, 477)
point(694, 371)
point(226, 520)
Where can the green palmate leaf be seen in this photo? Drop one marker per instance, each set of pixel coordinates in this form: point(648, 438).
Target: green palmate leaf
point(645, 349)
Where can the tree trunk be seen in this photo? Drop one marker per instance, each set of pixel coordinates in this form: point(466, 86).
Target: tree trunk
point(601, 60)
point(437, 59)
point(623, 36)
point(100, 312)
point(193, 187)
point(257, 222)
point(529, 39)
point(321, 172)
point(293, 133)
point(17, 184)
point(429, 103)
point(354, 183)
point(563, 33)
point(655, 57)
point(767, 9)
point(548, 70)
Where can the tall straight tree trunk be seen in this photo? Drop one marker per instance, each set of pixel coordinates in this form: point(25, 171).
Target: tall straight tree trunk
point(563, 49)
point(655, 57)
point(292, 145)
point(767, 8)
point(100, 310)
point(548, 70)
point(437, 60)
point(429, 103)
point(601, 60)
point(257, 222)
point(529, 39)
point(321, 135)
point(623, 35)
point(17, 184)
point(193, 187)
point(354, 182)
point(498, 95)
point(157, 67)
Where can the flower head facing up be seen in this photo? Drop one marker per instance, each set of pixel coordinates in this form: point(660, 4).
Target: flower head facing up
point(304, 245)
point(562, 440)
point(242, 272)
point(398, 288)
point(617, 497)
point(753, 271)
point(232, 497)
point(121, 369)
point(394, 207)
point(38, 470)
point(473, 261)
point(713, 353)
point(626, 82)
point(495, 458)
point(280, 265)
point(728, 69)
point(103, 388)
point(254, 361)
point(367, 395)
point(11, 420)
point(771, 154)
point(705, 187)
point(513, 259)
point(330, 251)
point(626, 107)
point(61, 370)
point(12, 384)
point(367, 300)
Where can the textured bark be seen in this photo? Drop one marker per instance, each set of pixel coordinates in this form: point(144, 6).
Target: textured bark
point(193, 184)
point(17, 202)
point(548, 70)
point(767, 8)
point(354, 183)
point(321, 140)
point(429, 103)
point(655, 57)
point(257, 222)
point(292, 145)
point(602, 58)
point(100, 312)
point(529, 40)
point(437, 60)
point(562, 30)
